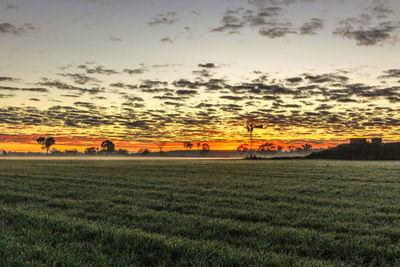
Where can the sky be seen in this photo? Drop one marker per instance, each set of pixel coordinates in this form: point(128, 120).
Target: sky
point(141, 72)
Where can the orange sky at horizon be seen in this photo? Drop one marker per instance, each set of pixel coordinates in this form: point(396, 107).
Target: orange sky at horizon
point(28, 144)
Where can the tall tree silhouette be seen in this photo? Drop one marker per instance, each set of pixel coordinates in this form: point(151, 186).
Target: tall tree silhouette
point(46, 142)
point(187, 145)
point(306, 147)
point(205, 149)
point(198, 145)
point(107, 146)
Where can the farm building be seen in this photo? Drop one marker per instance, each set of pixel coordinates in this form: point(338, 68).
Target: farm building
point(357, 141)
point(374, 140)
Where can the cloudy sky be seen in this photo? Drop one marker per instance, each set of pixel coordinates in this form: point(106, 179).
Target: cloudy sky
point(139, 72)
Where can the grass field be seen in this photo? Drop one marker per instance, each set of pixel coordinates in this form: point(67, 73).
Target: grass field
point(187, 212)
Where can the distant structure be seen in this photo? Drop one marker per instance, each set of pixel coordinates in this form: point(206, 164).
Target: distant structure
point(250, 125)
point(376, 140)
point(358, 141)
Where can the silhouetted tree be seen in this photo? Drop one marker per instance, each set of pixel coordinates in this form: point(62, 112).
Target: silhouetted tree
point(122, 151)
point(198, 145)
point(144, 151)
point(243, 148)
point(90, 150)
point(187, 145)
point(307, 147)
point(107, 146)
point(205, 149)
point(267, 147)
point(46, 142)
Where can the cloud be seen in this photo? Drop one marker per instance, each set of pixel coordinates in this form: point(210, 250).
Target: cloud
point(98, 70)
point(114, 39)
point(207, 65)
point(38, 90)
point(8, 28)
point(271, 2)
point(311, 101)
point(294, 80)
point(79, 78)
point(324, 78)
point(123, 85)
point(11, 7)
point(87, 105)
point(167, 40)
point(140, 70)
point(7, 79)
point(312, 26)
point(233, 98)
point(373, 27)
point(376, 35)
point(380, 10)
point(389, 74)
point(164, 18)
point(231, 21)
point(267, 17)
point(65, 86)
point(186, 92)
point(277, 31)
point(6, 95)
point(202, 73)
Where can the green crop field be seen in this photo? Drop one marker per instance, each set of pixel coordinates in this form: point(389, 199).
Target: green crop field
point(199, 212)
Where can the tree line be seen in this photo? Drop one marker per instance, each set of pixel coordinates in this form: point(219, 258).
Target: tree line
point(108, 147)
point(271, 148)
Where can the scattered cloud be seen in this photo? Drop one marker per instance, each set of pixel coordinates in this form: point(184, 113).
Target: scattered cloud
point(312, 26)
point(142, 69)
point(11, 7)
point(389, 74)
point(7, 79)
point(167, 40)
point(207, 65)
point(98, 70)
point(268, 17)
point(115, 39)
point(164, 18)
point(79, 78)
point(10, 29)
point(373, 27)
